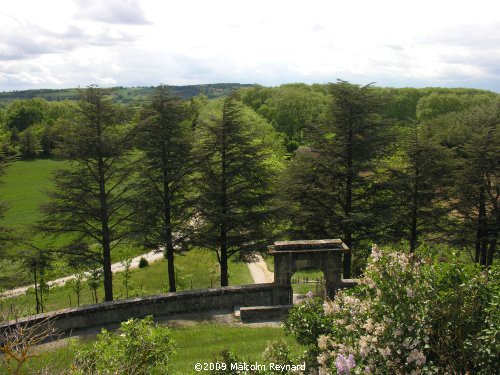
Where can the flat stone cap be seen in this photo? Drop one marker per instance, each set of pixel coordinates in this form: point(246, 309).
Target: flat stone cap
point(309, 246)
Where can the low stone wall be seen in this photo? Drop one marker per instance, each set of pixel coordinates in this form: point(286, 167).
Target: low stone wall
point(106, 313)
point(264, 313)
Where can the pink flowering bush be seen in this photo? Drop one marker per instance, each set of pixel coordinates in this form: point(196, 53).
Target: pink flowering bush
point(410, 316)
point(381, 323)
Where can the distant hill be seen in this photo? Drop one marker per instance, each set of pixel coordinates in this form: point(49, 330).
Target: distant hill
point(125, 94)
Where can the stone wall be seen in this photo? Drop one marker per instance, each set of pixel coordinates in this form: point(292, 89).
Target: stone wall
point(264, 313)
point(106, 313)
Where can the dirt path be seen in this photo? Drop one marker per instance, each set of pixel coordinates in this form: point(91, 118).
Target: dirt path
point(260, 272)
point(151, 257)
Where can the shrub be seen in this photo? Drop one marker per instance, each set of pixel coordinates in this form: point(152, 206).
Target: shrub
point(292, 146)
point(308, 321)
point(143, 262)
point(228, 363)
point(139, 349)
point(408, 316)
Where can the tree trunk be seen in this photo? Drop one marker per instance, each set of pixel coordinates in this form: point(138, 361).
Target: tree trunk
point(108, 275)
point(414, 211)
point(348, 206)
point(224, 279)
point(480, 256)
point(41, 290)
point(36, 293)
point(106, 245)
point(491, 252)
point(168, 225)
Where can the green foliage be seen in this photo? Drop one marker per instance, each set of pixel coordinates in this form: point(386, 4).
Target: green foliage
point(164, 203)
point(236, 165)
point(227, 364)
point(143, 282)
point(139, 349)
point(143, 262)
point(38, 262)
point(436, 104)
point(327, 187)
point(307, 321)
point(294, 107)
point(126, 275)
point(5, 235)
point(94, 281)
point(292, 146)
point(406, 315)
point(195, 343)
point(477, 186)
point(29, 145)
point(76, 284)
point(279, 352)
point(414, 179)
point(21, 114)
point(92, 198)
point(487, 340)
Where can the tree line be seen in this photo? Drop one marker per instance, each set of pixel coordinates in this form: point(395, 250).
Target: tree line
point(341, 160)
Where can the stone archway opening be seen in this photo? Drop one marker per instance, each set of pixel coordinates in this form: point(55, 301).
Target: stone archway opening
point(308, 281)
point(292, 256)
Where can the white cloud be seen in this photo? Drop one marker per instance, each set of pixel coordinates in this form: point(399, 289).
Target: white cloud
point(144, 42)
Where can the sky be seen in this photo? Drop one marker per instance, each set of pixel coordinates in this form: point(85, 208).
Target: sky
point(71, 43)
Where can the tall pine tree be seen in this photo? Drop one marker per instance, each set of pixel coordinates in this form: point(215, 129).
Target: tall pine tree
point(234, 147)
point(93, 195)
point(413, 182)
point(477, 185)
point(165, 199)
point(329, 184)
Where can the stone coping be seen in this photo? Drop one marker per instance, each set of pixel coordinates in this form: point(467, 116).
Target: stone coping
point(308, 246)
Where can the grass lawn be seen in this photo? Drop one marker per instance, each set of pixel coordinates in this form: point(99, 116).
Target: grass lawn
point(195, 269)
point(197, 343)
point(22, 190)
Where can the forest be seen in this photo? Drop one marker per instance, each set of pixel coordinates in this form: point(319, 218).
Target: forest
point(415, 171)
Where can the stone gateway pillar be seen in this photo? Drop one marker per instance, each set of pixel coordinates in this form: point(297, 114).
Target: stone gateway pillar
point(292, 256)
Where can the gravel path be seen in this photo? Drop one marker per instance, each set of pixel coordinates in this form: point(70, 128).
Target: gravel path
point(260, 272)
point(152, 256)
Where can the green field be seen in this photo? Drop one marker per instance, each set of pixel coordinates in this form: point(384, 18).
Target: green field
point(195, 269)
point(22, 190)
point(197, 343)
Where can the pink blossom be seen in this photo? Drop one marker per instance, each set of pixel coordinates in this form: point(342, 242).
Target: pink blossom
point(344, 365)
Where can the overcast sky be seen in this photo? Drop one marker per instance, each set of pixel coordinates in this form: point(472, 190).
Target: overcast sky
point(69, 43)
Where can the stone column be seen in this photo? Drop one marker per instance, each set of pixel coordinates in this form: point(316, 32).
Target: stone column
point(332, 268)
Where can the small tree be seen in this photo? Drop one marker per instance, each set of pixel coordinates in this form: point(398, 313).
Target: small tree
point(18, 342)
point(38, 261)
point(94, 281)
point(126, 275)
point(76, 285)
point(29, 144)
